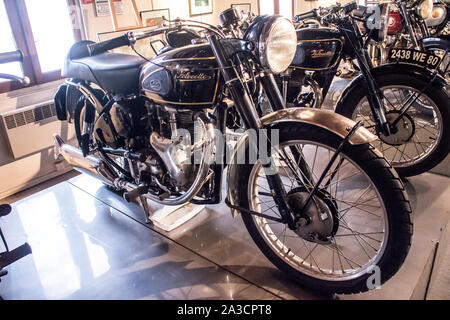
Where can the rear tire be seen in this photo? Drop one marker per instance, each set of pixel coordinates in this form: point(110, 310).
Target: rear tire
point(386, 182)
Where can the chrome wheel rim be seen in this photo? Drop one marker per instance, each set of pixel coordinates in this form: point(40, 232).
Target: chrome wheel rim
point(360, 240)
point(427, 125)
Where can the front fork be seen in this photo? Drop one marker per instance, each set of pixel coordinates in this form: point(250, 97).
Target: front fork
point(375, 102)
point(246, 108)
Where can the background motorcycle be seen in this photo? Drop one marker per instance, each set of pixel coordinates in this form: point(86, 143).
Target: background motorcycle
point(390, 99)
point(417, 25)
point(332, 209)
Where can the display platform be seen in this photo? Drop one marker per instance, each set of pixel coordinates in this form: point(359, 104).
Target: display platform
point(88, 243)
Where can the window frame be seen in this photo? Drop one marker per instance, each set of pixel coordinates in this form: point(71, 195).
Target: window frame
point(276, 7)
point(22, 32)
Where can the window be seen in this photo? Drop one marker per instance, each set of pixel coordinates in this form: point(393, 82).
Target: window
point(43, 30)
point(283, 7)
point(7, 44)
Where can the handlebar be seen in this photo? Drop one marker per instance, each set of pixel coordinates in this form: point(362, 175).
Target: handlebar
point(126, 39)
point(307, 15)
point(103, 46)
point(13, 56)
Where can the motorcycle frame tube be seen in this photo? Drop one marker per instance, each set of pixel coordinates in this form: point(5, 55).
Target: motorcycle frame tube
point(408, 24)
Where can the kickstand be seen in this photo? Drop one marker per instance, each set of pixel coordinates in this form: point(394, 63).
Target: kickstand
point(144, 204)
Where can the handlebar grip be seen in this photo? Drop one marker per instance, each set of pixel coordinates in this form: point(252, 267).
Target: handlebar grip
point(349, 7)
point(103, 46)
point(13, 56)
point(307, 15)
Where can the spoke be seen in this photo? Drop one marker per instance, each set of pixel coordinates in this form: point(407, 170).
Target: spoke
point(339, 256)
point(346, 259)
point(358, 233)
point(355, 204)
point(277, 214)
point(363, 193)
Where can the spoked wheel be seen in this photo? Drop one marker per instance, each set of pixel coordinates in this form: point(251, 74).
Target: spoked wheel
point(357, 220)
point(420, 140)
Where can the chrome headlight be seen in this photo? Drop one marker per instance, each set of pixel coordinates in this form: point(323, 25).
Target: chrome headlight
point(425, 9)
point(277, 44)
point(438, 16)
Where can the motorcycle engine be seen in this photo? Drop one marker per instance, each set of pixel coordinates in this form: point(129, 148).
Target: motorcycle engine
point(167, 138)
point(174, 142)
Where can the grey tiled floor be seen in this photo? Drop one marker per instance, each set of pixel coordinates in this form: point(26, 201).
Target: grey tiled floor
point(88, 243)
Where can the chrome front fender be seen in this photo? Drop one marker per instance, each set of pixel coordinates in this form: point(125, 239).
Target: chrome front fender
point(328, 120)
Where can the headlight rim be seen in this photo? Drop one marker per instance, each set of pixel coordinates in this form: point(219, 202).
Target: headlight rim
point(263, 41)
point(430, 9)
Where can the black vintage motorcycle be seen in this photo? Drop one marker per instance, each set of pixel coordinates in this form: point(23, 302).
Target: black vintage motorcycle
point(404, 103)
point(324, 205)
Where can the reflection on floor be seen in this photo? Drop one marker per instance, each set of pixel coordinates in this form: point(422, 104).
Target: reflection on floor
point(88, 243)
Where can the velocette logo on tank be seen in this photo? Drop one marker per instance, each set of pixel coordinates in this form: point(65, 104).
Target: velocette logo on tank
point(187, 76)
point(155, 85)
point(321, 53)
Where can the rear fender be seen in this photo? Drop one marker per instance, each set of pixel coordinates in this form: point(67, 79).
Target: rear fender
point(441, 42)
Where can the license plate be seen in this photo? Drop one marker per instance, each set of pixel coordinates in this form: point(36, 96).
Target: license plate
point(420, 58)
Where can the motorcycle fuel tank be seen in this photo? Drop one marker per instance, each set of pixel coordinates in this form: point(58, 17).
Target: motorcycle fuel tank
point(186, 77)
point(317, 48)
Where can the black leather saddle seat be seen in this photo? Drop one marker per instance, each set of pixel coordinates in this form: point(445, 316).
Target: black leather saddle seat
point(114, 72)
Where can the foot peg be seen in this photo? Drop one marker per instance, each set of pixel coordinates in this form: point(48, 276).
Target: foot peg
point(133, 194)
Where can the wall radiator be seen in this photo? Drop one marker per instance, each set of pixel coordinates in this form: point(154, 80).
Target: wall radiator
point(31, 129)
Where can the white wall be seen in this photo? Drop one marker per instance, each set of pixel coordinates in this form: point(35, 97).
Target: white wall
point(303, 6)
point(178, 8)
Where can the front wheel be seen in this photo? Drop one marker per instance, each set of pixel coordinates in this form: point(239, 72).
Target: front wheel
point(421, 139)
point(357, 224)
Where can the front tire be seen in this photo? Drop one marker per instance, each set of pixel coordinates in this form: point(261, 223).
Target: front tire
point(387, 187)
point(427, 142)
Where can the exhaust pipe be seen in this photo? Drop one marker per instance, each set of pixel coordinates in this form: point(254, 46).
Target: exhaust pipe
point(91, 165)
